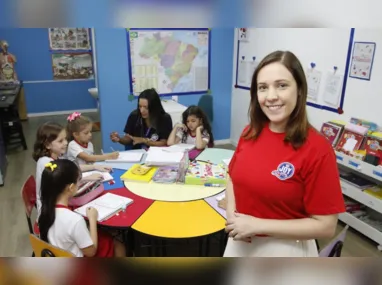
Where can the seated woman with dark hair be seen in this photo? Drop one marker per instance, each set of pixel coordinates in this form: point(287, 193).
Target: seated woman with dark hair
point(148, 125)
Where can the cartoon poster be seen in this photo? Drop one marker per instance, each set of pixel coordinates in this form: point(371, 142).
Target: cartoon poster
point(72, 66)
point(69, 39)
point(362, 60)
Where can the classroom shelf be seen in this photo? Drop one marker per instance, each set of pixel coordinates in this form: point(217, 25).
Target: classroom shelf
point(360, 196)
point(360, 166)
point(362, 227)
point(374, 172)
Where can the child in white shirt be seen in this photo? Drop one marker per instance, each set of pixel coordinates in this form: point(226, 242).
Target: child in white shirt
point(80, 148)
point(196, 129)
point(62, 227)
point(51, 144)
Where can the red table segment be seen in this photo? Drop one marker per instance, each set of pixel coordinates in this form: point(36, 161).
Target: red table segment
point(133, 211)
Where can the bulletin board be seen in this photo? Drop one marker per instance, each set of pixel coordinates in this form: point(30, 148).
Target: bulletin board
point(173, 61)
point(71, 53)
point(324, 53)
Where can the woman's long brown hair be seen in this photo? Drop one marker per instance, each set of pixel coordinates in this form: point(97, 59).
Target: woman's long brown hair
point(298, 125)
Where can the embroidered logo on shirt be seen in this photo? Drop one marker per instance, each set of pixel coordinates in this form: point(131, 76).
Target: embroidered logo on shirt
point(284, 171)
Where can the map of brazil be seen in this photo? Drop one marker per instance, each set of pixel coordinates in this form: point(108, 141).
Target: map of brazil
point(171, 61)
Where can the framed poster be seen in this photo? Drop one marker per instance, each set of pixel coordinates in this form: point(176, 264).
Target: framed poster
point(362, 60)
point(69, 66)
point(69, 39)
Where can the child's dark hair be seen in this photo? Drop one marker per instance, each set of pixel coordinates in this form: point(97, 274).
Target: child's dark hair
point(76, 123)
point(56, 176)
point(46, 134)
point(198, 113)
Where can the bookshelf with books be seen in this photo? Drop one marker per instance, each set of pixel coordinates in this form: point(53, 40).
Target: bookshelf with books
point(357, 150)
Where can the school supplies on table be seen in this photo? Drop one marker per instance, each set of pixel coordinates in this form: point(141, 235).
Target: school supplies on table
point(107, 206)
point(199, 173)
point(141, 169)
point(139, 173)
point(127, 156)
point(106, 175)
point(158, 156)
point(166, 174)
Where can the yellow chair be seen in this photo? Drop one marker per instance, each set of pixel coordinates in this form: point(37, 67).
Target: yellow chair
point(44, 249)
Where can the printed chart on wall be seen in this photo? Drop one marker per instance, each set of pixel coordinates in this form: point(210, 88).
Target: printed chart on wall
point(68, 66)
point(173, 61)
point(69, 39)
point(326, 66)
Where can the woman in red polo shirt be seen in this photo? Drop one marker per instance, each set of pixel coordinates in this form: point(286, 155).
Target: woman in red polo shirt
point(284, 189)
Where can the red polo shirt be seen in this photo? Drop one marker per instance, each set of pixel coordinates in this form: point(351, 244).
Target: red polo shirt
point(271, 180)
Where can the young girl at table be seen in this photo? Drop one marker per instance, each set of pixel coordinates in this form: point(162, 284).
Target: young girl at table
point(195, 129)
point(80, 148)
point(51, 144)
point(62, 227)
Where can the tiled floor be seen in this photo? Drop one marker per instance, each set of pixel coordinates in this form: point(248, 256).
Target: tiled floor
point(14, 230)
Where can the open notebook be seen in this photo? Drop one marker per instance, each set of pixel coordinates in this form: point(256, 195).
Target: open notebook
point(107, 206)
point(127, 156)
point(106, 175)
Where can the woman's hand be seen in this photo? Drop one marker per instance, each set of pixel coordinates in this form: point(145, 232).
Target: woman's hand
point(137, 140)
point(242, 227)
point(103, 168)
point(114, 136)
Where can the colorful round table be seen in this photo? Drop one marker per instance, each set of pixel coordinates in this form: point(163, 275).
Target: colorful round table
point(170, 211)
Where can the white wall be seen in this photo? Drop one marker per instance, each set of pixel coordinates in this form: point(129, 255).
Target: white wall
point(363, 99)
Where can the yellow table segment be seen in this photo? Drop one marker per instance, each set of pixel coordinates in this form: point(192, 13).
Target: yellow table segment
point(179, 220)
point(172, 192)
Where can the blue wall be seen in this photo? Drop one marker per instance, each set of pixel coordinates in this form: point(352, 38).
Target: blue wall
point(113, 82)
point(31, 48)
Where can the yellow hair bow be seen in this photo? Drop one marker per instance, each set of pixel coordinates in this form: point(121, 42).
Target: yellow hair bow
point(52, 166)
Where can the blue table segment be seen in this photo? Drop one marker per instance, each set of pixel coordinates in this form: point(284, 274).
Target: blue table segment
point(118, 183)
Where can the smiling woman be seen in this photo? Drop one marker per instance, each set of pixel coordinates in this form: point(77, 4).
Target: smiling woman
point(290, 194)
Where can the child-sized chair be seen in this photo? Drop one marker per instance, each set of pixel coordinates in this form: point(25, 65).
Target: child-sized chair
point(44, 249)
point(28, 193)
point(334, 248)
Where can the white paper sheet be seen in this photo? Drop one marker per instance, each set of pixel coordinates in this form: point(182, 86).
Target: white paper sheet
point(333, 89)
point(106, 175)
point(127, 156)
point(313, 77)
